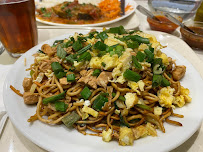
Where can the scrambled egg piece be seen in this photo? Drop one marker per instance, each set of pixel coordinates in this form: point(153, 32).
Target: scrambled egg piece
point(107, 135)
point(123, 63)
point(141, 85)
point(126, 136)
point(164, 58)
point(41, 57)
point(142, 47)
point(110, 61)
point(140, 132)
point(49, 74)
point(117, 111)
point(143, 131)
point(185, 92)
point(90, 111)
point(183, 98)
point(113, 41)
point(130, 100)
point(133, 85)
point(157, 110)
point(166, 97)
point(179, 101)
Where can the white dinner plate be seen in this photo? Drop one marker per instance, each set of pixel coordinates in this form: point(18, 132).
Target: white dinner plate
point(59, 138)
point(128, 13)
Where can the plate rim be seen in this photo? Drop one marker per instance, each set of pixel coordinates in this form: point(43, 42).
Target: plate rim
point(95, 24)
point(5, 87)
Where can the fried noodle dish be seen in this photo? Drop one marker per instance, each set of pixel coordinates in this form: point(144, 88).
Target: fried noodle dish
point(115, 84)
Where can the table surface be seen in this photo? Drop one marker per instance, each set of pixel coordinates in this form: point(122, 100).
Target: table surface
point(12, 140)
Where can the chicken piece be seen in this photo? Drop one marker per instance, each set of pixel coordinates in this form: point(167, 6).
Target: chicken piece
point(30, 98)
point(170, 66)
point(45, 65)
point(87, 78)
point(27, 83)
point(140, 132)
point(103, 78)
point(64, 81)
point(178, 72)
point(74, 10)
point(47, 49)
point(126, 136)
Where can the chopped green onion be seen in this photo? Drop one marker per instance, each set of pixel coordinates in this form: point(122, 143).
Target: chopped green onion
point(102, 36)
point(109, 48)
point(150, 55)
point(47, 15)
point(85, 93)
point(60, 74)
point(82, 39)
point(165, 82)
point(123, 122)
point(101, 53)
point(145, 107)
point(85, 57)
point(54, 98)
point(71, 77)
point(60, 106)
point(91, 35)
point(84, 49)
point(58, 41)
point(56, 67)
point(100, 46)
point(112, 53)
point(43, 10)
point(122, 98)
point(139, 39)
point(136, 63)
point(119, 30)
point(96, 72)
point(104, 94)
point(66, 44)
point(61, 53)
point(71, 69)
point(119, 49)
point(132, 76)
point(133, 45)
point(99, 102)
point(151, 48)
point(77, 45)
point(134, 31)
point(157, 61)
point(156, 80)
point(31, 72)
point(71, 119)
point(71, 58)
point(103, 64)
point(157, 69)
point(140, 56)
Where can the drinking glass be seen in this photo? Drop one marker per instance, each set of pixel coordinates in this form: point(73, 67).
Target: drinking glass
point(18, 30)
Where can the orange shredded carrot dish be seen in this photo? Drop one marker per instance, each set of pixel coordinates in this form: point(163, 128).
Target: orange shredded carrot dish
point(16, 91)
point(110, 8)
point(128, 7)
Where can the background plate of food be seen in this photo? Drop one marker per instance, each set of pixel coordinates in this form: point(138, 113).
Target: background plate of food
point(119, 85)
point(82, 12)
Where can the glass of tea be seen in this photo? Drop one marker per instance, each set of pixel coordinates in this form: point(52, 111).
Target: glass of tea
point(18, 30)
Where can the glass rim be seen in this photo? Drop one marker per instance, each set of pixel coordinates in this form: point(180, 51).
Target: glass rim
point(7, 3)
